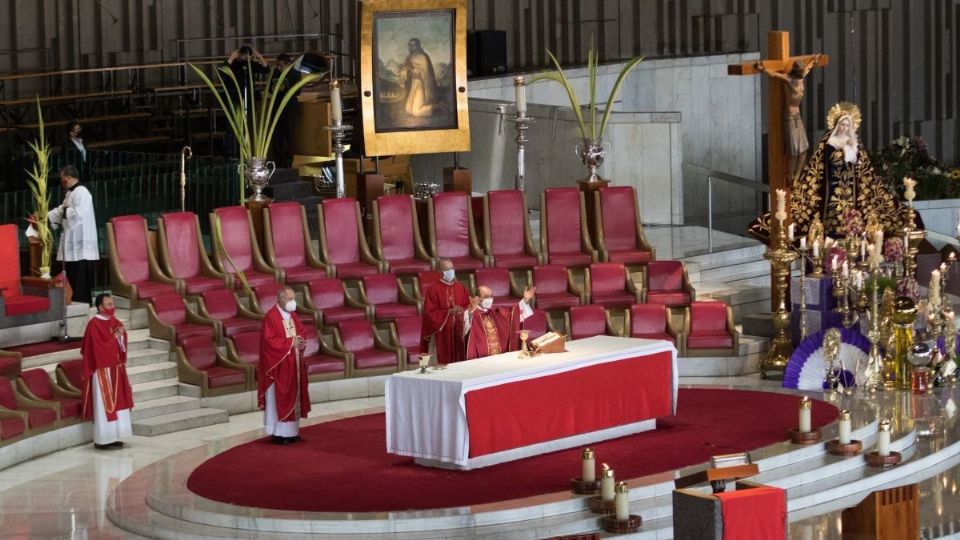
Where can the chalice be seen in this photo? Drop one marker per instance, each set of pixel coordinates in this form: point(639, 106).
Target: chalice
point(524, 336)
point(424, 362)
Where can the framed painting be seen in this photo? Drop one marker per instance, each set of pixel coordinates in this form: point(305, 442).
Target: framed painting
point(413, 76)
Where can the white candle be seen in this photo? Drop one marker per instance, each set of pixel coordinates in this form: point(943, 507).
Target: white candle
point(607, 484)
point(790, 229)
point(622, 502)
point(816, 248)
point(589, 466)
point(803, 244)
point(908, 185)
point(883, 439)
point(805, 405)
point(335, 103)
point(834, 264)
point(844, 427)
point(846, 269)
point(521, 88)
point(781, 214)
point(863, 249)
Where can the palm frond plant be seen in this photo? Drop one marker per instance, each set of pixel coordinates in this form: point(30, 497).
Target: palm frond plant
point(218, 243)
point(39, 188)
point(253, 129)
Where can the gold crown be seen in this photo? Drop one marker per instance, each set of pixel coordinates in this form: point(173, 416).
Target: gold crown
point(844, 108)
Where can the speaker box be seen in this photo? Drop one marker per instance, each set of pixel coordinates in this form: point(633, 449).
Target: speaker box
point(489, 52)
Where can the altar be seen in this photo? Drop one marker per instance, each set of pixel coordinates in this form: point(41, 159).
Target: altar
point(501, 408)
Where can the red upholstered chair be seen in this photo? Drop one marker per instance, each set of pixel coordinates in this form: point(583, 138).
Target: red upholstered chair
point(609, 285)
point(588, 321)
point(505, 295)
point(343, 244)
point(70, 375)
point(367, 354)
point(424, 281)
point(555, 288)
point(38, 416)
point(389, 300)
point(619, 229)
point(536, 324)
point(244, 348)
point(330, 303)
point(452, 234)
point(222, 306)
point(200, 363)
point(708, 330)
point(10, 362)
point(323, 364)
point(564, 239)
point(183, 256)
point(170, 319)
point(287, 240)
point(405, 334)
point(506, 230)
point(20, 305)
point(134, 272)
point(266, 298)
point(667, 284)
point(238, 246)
point(13, 426)
point(35, 384)
point(396, 235)
point(651, 321)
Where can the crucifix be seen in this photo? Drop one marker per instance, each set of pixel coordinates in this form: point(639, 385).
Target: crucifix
point(778, 66)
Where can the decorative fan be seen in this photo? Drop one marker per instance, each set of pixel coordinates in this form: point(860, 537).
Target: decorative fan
point(808, 363)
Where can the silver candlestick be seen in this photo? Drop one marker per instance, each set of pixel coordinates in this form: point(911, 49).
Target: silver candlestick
point(521, 122)
point(338, 131)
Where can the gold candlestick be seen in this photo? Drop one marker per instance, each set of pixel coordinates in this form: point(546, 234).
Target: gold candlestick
point(781, 259)
point(875, 379)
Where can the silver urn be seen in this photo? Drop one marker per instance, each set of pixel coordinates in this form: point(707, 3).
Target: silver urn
point(591, 153)
point(257, 172)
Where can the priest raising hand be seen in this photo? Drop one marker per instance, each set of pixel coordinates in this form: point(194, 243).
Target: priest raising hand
point(492, 330)
point(281, 377)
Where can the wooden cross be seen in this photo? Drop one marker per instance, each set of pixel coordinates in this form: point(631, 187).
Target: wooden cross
point(778, 45)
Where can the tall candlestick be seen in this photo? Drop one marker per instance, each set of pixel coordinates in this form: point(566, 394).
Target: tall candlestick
point(335, 103)
point(805, 406)
point(521, 89)
point(607, 484)
point(844, 427)
point(622, 504)
point(883, 439)
point(589, 466)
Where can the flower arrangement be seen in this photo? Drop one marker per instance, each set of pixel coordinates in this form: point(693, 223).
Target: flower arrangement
point(908, 156)
point(39, 175)
point(851, 221)
point(893, 249)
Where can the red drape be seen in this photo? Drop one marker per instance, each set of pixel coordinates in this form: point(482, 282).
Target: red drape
point(754, 514)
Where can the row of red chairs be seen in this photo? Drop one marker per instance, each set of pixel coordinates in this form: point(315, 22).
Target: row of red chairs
point(32, 404)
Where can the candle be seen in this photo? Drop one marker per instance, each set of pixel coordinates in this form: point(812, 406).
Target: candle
point(805, 406)
point(883, 439)
point(863, 249)
point(846, 269)
point(803, 243)
point(607, 484)
point(781, 205)
point(521, 88)
point(908, 185)
point(790, 230)
point(816, 248)
point(859, 280)
point(834, 264)
point(844, 427)
point(622, 502)
point(589, 466)
point(335, 103)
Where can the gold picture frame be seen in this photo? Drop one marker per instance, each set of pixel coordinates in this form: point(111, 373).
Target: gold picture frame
point(413, 76)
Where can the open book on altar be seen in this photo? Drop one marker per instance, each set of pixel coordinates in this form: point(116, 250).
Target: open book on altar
point(551, 342)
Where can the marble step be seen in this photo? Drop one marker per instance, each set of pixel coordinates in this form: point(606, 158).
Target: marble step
point(727, 257)
point(147, 391)
point(164, 406)
point(736, 272)
point(152, 372)
point(143, 357)
point(179, 421)
point(49, 361)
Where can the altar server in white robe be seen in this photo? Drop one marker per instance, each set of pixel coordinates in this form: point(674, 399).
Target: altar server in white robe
point(79, 249)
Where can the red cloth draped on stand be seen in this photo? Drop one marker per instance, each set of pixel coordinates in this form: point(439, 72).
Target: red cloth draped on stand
point(443, 327)
point(493, 331)
point(754, 514)
point(278, 366)
point(104, 358)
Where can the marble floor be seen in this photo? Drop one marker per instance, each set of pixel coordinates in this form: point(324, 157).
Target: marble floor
point(63, 495)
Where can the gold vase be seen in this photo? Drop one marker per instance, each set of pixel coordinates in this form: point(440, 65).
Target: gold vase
point(897, 370)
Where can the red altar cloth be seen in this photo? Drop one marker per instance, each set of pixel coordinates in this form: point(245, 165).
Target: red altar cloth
point(757, 513)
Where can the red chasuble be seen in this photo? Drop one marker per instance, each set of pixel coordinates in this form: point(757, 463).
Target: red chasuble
point(493, 332)
point(103, 358)
point(444, 328)
point(278, 365)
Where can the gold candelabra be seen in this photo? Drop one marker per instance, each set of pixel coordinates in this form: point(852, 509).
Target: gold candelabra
point(911, 239)
point(781, 258)
point(874, 368)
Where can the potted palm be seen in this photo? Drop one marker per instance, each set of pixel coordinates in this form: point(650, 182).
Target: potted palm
point(590, 149)
point(253, 129)
point(39, 188)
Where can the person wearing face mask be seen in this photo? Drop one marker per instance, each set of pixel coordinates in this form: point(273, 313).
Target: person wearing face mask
point(281, 376)
point(443, 306)
point(492, 331)
point(79, 249)
point(107, 396)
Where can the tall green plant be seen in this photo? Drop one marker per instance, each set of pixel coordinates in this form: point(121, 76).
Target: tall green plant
point(253, 129)
point(40, 189)
point(588, 126)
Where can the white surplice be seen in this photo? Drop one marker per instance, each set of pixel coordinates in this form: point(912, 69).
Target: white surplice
point(79, 239)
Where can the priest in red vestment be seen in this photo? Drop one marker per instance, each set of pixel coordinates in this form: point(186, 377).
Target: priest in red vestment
point(282, 379)
point(443, 306)
point(107, 396)
point(492, 330)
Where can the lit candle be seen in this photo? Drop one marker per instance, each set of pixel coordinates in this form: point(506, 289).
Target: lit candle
point(805, 406)
point(844, 427)
point(607, 484)
point(589, 466)
point(803, 244)
point(781, 214)
point(908, 185)
point(335, 103)
point(834, 264)
point(883, 439)
point(622, 504)
point(521, 88)
point(816, 248)
point(846, 269)
point(790, 229)
point(934, 290)
point(863, 249)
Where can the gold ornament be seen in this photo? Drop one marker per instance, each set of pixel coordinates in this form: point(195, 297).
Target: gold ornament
point(838, 111)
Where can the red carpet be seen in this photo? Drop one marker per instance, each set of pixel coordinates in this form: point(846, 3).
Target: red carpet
point(45, 347)
point(343, 465)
